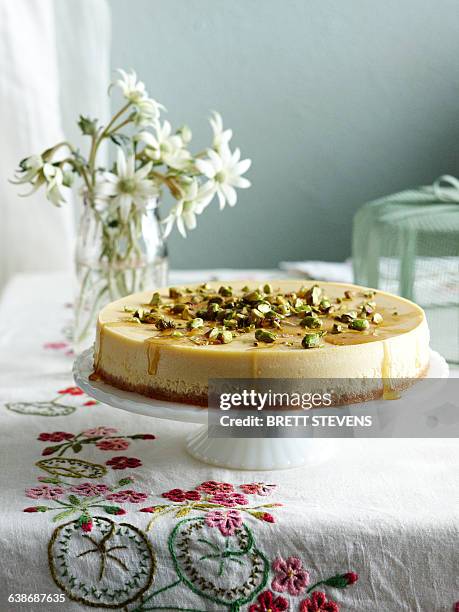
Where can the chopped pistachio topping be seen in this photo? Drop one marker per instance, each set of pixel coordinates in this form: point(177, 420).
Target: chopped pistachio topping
point(209, 315)
point(163, 324)
point(262, 335)
point(377, 318)
point(311, 340)
point(155, 299)
point(359, 324)
point(174, 293)
point(311, 322)
point(225, 291)
point(195, 323)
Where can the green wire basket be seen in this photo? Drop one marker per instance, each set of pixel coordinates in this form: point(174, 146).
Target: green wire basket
point(408, 243)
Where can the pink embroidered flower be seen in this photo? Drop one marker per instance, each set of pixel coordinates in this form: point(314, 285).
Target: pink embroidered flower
point(144, 437)
point(178, 495)
point(99, 431)
point(258, 488)
point(122, 463)
point(352, 577)
point(55, 436)
point(44, 492)
point(71, 391)
point(227, 522)
point(112, 444)
point(55, 345)
point(290, 576)
point(268, 602)
point(229, 499)
point(90, 403)
point(456, 606)
point(49, 450)
point(128, 495)
point(318, 602)
point(213, 486)
point(89, 489)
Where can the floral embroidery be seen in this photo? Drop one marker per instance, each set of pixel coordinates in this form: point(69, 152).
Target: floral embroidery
point(63, 347)
point(53, 407)
point(128, 495)
point(212, 486)
point(258, 488)
point(99, 431)
point(82, 498)
point(204, 498)
point(177, 495)
point(229, 499)
point(122, 463)
point(45, 492)
point(71, 468)
point(113, 444)
point(268, 602)
point(100, 436)
point(55, 436)
point(88, 489)
point(290, 576)
point(318, 602)
point(55, 346)
point(71, 391)
point(227, 522)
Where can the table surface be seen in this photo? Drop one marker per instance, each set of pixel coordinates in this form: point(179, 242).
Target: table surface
point(106, 508)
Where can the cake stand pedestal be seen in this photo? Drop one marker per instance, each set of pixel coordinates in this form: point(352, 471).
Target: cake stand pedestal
point(234, 453)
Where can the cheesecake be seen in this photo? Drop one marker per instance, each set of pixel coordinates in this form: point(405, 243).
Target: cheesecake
point(167, 344)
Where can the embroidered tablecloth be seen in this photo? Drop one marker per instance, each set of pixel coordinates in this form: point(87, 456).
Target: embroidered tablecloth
point(102, 508)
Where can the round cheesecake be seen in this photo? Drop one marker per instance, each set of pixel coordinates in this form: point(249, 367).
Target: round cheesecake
point(167, 344)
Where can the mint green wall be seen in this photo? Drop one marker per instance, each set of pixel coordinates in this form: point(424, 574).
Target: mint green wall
point(335, 101)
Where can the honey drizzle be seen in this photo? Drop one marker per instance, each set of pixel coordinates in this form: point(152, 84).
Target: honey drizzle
point(389, 392)
point(153, 356)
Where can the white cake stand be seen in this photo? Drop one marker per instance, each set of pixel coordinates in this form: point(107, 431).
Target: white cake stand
point(234, 453)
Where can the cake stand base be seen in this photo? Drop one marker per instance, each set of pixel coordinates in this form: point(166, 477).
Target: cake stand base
point(257, 453)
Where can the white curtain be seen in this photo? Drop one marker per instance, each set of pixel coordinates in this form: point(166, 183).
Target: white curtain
point(54, 65)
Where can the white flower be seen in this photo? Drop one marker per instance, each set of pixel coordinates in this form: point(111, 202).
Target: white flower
point(147, 112)
point(165, 146)
point(133, 90)
point(225, 173)
point(193, 202)
point(221, 136)
point(128, 186)
point(54, 179)
point(29, 168)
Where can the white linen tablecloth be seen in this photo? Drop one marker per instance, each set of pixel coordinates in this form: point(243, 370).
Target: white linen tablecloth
point(74, 520)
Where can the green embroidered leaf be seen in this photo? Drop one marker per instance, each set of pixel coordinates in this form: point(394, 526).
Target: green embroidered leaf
point(204, 505)
point(63, 515)
point(73, 499)
point(77, 447)
point(182, 512)
point(40, 408)
point(72, 468)
point(125, 481)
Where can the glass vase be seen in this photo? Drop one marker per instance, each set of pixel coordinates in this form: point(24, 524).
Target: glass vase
point(115, 257)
